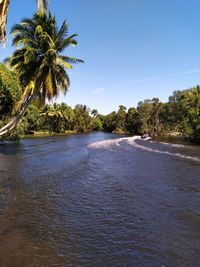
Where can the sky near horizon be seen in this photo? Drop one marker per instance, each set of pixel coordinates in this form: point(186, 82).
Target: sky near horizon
point(133, 49)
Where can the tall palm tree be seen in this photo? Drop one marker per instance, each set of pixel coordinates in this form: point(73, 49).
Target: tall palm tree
point(41, 5)
point(38, 61)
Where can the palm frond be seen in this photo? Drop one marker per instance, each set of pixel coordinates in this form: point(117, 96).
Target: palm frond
point(71, 60)
point(65, 64)
point(66, 42)
point(62, 32)
point(61, 77)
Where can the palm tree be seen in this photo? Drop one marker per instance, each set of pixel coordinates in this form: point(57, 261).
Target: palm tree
point(41, 5)
point(94, 112)
point(38, 61)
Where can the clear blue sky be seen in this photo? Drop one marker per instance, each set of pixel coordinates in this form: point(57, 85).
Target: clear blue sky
point(133, 49)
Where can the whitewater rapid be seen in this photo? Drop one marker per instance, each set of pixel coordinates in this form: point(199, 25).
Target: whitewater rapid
point(142, 144)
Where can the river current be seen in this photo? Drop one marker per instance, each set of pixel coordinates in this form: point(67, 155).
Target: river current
point(99, 200)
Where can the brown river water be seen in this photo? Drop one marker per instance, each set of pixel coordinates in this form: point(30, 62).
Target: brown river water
point(99, 200)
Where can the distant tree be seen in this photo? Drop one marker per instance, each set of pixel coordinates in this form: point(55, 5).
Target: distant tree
point(121, 117)
point(96, 124)
point(82, 118)
point(145, 109)
point(133, 123)
point(155, 115)
point(94, 112)
point(191, 101)
point(110, 122)
point(68, 117)
point(32, 119)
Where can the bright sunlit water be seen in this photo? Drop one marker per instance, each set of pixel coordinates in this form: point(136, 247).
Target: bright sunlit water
point(97, 200)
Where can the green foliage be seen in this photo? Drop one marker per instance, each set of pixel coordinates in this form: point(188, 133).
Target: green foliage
point(31, 118)
point(133, 123)
point(96, 124)
point(57, 118)
point(10, 91)
point(82, 118)
point(110, 122)
point(121, 118)
point(190, 100)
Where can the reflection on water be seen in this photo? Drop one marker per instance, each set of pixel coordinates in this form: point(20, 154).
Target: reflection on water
point(81, 201)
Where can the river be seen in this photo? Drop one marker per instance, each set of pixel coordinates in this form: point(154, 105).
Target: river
point(99, 200)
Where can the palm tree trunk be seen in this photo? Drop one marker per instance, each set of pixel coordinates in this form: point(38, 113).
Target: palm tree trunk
point(19, 114)
point(42, 4)
point(3, 18)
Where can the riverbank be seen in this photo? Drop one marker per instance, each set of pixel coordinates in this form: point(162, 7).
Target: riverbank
point(40, 134)
point(177, 138)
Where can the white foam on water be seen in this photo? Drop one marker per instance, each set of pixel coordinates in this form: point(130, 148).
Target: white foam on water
point(147, 138)
point(131, 142)
point(107, 144)
point(174, 145)
point(110, 144)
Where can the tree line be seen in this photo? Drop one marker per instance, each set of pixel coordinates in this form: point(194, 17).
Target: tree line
point(181, 114)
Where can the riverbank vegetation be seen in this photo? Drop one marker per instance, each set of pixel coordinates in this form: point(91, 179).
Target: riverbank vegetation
point(179, 116)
